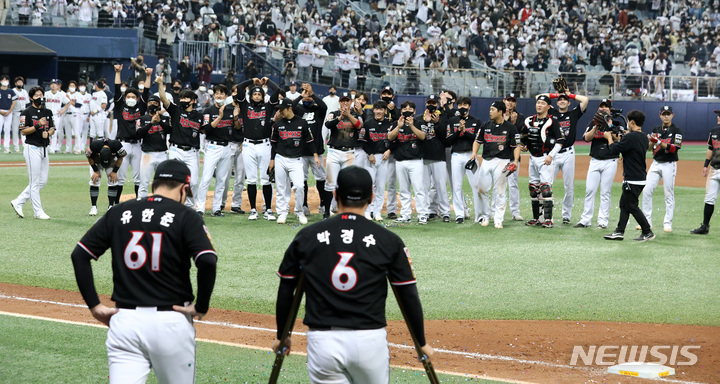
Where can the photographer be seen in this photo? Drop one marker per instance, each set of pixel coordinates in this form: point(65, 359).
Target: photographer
point(184, 71)
point(163, 68)
point(602, 168)
point(138, 70)
point(166, 37)
point(204, 70)
point(289, 73)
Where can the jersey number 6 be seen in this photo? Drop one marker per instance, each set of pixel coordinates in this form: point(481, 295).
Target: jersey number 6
point(342, 269)
point(134, 248)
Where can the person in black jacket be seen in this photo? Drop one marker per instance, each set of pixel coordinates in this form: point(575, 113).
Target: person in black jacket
point(633, 147)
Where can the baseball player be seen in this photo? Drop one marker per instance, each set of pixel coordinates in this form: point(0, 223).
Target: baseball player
point(408, 152)
point(358, 106)
point(55, 98)
point(237, 136)
point(377, 147)
point(565, 159)
point(344, 126)
point(544, 139)
point(292, 92)
point(665, 142)
point(219, 121)
point(153, 241)
point(82, 118)
point(346, 261)
point(461, 131)
point(36, 125)
point(434, 124)
point(152, 130)
point(601, 171)
point(500, 156)
point(104, 155)
point(21, 102)
point(712, 185)
point(517, 119)
point(7, 104)
point(186, 123)
point(129, 107)
point(257, 124)
point(98, 116)
point(393, 113)
point(70, 117)
point(312, 109)
point(633, 147)
point(290, 134)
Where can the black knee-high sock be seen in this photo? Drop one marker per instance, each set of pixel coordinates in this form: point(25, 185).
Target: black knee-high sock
point(547, 209)
point(267, 196)
point(305, 197)
point(536, 209)
point(709, 208)
point(112, 195)
point(137, 188)
point(119, 189)
point(94, 193)
point(252, 194)
point(320, 185)
point(328, 201)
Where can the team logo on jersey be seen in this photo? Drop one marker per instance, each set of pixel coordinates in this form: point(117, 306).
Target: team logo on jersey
point(407, 254)
point(256, 115)
point(678, 139)
point(22, 120)
point(187, 123)
point(206, 118)
point(130, 116)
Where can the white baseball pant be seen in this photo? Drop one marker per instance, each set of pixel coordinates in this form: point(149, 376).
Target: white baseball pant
point(602, 173)
point(6, 128)
point(143, 338)
point(317, 170)
point(392, 191)
point(191, 158)
point(514, 193)
point(336, 160)
point(540, 173)
point(712, 186)
point(361, 158)
point(148, 164)
point(80, 131)
point(459, 159)
point(132, 159)
point(378, 173)
point(38, 167)
point(17, 138)
point(565, 162)
point(236, 159)
point(110, 128)
point(348, 356)
point(411, 173)
point(256, 158)
point(66, 130)
point(666, 172)
point(490, 175)
point(56, 139)
point(437, 193)
point(287, 170)
point(218, 161)
point(97, 125)
point(107, 172)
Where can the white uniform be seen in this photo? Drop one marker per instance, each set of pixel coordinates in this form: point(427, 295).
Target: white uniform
point(602, 173)
point(565, 161)
point(148, 164)
point(98, 116)
point(217, 161)
point(21, 102)
point(289, 170)
point(236, 160)
point(336, 160)
point(378, 173)
point(256, 156)
point(69, 122)
point(54, 102)
point(133, 159)
point(6, 121)
point(490, 175)
point(539, 172)
point(664, 166)
point(191, 158)
point(82, 120)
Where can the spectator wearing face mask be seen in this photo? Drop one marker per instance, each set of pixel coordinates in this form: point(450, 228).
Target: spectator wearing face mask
point(164, 68)
point(305, 58)
point(277, 49)
point(184, 71)
point(204, 70)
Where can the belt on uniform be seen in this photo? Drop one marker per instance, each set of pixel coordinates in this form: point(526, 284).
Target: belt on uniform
point(183, 147)
point(223, 143)
point(159, 307)
point(331, 328)
point(129, 141)
point(342, 148)
point(565, 149)
point(261, 141)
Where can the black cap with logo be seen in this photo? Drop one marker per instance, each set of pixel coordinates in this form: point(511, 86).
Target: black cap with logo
point(354, 184)
point(174, 170)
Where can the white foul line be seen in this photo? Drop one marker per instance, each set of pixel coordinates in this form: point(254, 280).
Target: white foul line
point(399, 346)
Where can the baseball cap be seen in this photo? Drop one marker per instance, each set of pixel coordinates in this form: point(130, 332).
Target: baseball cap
point(354, 183)
point(174, 170)
point(666, 109)
point(105, 157)
point(511, 97)
point(345, 96)
point(544, 98)
point(563, 96)
point(432, 98)
point(499, 105)
point(55, 81)
point(285, 103)
point(295, 83)
point(257, 89)
point(388, 89)
point(607, 102)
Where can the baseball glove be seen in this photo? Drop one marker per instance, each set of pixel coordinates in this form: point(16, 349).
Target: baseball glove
point(509, 169)
point(560, 85)
point(602, 119)
point(271, 174)
point(471, 165)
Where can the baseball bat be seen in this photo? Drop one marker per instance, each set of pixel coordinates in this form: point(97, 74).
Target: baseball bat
point(429, 369)
point(287, 328)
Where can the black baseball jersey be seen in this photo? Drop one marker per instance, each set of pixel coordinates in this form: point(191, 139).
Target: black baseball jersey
point(672, 136)
point(599, 146)
point(127, 117)
point(376, 135)
point(435, 138)
point(462, 141)
point(314, 113)
point(153, 135)
point(406, 145)
point(223, 132)
point(633, 146)
point(714, 146)
point(257, 119)
point(290, 136)
point(498, 140)
point(346, 260)
point(93, 150)
point(185, 126)
point(568, 123)
point(153, 241)
point(30, 117)
point(342, 132)
point(541, 135)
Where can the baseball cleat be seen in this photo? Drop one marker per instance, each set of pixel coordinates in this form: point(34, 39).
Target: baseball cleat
point(433, 216)
point(377, 217)
point(645, 237)
point(615, 236)
point(42, 216)
point(498, 225)
point(484, 222)
point(93, 211)
point(566, 220)
point(218, 214)
point(237, 210)
point(268, 215)
point(368, 215)
point(533, 222)
point(518, 218)
point(7, 151)
point(422, 220)
point(392, 216)
point(253, 214)
point(282, 219)
point(18, 209)
point(667, 228)
point(403, 220)
point(201, 213)
point(459, 220)
point(302, 219)
point(602, 226)
point(326, 215)
point(547, 224)
point(703, 230)
point(580, 225)
point(446, 219)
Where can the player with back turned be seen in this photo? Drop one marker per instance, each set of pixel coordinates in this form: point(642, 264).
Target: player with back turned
point(346, 261)
point(710, 171)
point(154, 241)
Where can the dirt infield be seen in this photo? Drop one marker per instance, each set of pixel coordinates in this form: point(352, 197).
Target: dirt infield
point(527, 351)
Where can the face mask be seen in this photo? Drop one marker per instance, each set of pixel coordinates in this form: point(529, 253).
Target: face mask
point(464, 53)
point(5, 83)
point(82, 89)
point(277, 39)
point(19, 86)
point(38, 102)
point(306, 40)
point(386, 99)
point(332, 93)
point(141, 86)
point(177, 89)
point(131, 102)
point(161, 61)
point(219, 101)
point(123, 89)
point(463, 111)
point(186, 61)
point(184, 105)
point(202, 89)
point(432, 108)
point(152, 109)
point(407, 113)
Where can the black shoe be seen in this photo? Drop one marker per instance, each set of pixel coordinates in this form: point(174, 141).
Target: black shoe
point(703, 230)
point(533, 222)
point(547, 224)
point(459, 220)
point(392, 216)
point(201, 213)
point(645, 237)
point(580, 225)
point(566, 221)
point(446, 219)
point(237, 210)
point(326, 215)
point(432, 216)
point(615, 236)
point(218, 214)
